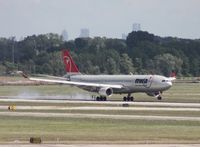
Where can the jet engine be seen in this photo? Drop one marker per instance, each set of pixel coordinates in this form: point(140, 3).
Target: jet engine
point(105, 91)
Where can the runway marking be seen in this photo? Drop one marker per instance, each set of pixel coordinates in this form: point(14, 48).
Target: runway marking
point(154, 107)
point(79, 115)
point(101, 108)
point(165, 104)
point(100, 145)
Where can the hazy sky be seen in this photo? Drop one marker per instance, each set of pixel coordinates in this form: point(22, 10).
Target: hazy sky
point(110, 18)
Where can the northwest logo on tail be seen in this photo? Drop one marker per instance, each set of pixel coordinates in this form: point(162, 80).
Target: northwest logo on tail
point(70, 66)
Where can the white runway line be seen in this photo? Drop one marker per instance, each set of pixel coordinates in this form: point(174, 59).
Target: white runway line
point(101, 108)
point(136, 108)
point(164, 104)
point(78, 115)
point(100, 145)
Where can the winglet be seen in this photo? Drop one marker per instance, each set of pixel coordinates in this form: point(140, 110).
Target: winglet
point(23, 74)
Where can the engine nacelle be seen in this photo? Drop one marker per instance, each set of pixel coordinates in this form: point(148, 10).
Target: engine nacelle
point(155, 94)
point(105, 91)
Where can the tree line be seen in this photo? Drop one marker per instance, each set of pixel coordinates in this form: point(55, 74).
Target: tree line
point(140, 53)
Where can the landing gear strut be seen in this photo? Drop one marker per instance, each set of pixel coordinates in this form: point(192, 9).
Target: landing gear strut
point(101, 98)
point(128, 98)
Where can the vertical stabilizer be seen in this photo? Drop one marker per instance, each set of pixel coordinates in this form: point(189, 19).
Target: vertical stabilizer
point(173, 74)
point(70, 66)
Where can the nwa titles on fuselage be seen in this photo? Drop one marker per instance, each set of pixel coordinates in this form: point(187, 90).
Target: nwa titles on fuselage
point(106, 85)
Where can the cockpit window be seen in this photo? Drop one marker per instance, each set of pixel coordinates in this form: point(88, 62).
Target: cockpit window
point(163, 80)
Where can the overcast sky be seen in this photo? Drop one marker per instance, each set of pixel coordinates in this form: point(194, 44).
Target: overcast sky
point(110, 18)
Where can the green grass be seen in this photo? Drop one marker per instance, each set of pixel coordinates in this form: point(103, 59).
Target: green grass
point(98, 130)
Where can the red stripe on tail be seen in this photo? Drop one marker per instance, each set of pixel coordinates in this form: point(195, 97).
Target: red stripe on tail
point(70, 66)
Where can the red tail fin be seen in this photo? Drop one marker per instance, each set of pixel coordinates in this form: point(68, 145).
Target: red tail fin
point(70, 66)
point(173, 74)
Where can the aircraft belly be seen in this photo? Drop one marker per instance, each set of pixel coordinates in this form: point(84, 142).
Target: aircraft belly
point(125, 89)
point(136, 89)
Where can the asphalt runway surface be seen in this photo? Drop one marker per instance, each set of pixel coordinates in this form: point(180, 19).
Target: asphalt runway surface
point(102, 108)
point(100, 145)
point(158, 104)
point(109, 116)
point(141, 106)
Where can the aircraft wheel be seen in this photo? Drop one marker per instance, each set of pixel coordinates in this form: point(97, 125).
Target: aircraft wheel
point(132, 98)
point(124, 98)
point(159, 98)
point(128, 98)
point(104, 98)
point(98, 98)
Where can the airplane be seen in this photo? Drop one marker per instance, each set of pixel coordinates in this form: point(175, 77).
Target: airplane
point(107, 85)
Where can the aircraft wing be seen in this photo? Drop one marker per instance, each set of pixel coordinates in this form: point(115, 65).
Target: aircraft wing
point(71, 82)
point(77, 83)
point(48, 76)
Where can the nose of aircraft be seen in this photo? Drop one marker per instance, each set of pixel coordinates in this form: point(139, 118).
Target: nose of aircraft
point(169, 83)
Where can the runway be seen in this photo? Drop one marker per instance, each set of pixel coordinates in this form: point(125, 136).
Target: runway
point(109, 116)
point(100, 145)
point(101, 108)
point(117, 106)
point(158, 104)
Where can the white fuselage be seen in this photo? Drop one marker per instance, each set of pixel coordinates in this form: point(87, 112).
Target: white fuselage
point(131, 83)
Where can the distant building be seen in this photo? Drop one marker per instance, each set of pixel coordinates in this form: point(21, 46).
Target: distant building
point(124, 36)
point(64, 35)
point(84, 33)
point(136, 27)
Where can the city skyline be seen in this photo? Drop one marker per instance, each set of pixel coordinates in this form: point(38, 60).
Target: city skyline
point(176, 18)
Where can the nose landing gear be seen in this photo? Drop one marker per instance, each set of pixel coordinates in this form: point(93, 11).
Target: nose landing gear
point(159, 97)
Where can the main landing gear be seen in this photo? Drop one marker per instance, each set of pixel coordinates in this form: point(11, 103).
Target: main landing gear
point(101, 98)
point(128, 98)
